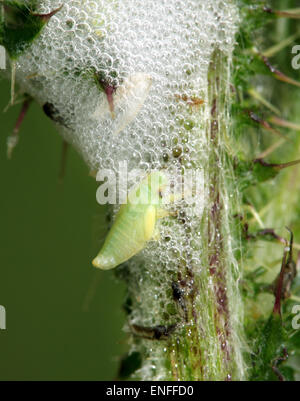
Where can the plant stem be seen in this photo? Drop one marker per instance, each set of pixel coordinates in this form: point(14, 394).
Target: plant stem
point(205, 335)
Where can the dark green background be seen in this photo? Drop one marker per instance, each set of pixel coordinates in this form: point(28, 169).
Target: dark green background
point(49, 234)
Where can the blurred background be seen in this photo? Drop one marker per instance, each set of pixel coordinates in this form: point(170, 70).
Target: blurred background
point(64, 318)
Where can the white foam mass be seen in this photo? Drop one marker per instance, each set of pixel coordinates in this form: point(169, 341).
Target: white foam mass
point(156, 52)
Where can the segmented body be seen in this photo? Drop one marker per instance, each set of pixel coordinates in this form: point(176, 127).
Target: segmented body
point(134, 224)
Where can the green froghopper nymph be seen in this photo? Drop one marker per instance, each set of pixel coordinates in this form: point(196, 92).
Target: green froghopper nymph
point(135, 223)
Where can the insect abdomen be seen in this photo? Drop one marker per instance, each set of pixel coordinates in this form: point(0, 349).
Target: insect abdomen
point(125, 239)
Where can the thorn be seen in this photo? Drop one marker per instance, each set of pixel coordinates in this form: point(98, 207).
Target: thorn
point(284, 123)
point(290, 257)
point(271, 149)
point(46, 17)
point(271, 232)
point(298, 262)
point(109, 90)
point(254, 117)
point(14, 138)
point(17, 101)
point(255, 214)
point(278, 74)
point(277, 304)
point(293, 13)
point(13, 82)
point(277, 166)
point(272, 51)
point(282, 284)
point(291, 244)
point(63, 162)
point(256, 95)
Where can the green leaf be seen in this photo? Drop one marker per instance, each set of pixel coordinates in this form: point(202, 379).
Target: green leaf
point(270, 350)
point(20, 26)
point(264, 172)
